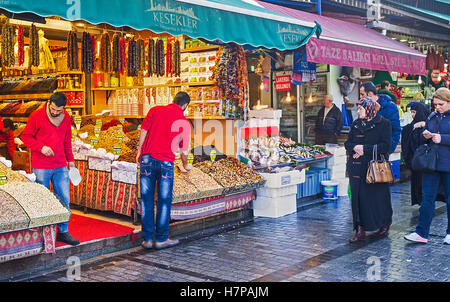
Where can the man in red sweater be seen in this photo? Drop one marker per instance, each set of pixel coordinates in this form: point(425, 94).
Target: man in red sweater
point(164, 130)
point(6, 135)
point(49, 136)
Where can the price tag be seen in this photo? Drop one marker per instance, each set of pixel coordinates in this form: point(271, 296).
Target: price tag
point(97, 131)
point(98, 122)
point(120, 126)
point(213, 155)
point(120, 137)
point(117, 149)
point(190, 158)
point(3, 178)
point(139, 127)
point(122, 120)
point(74, 133)
point(69, 111)
point(77, 121)
point(94, 141)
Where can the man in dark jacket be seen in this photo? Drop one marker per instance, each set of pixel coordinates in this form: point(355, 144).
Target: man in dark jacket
point(329, 122)
point(388, 110)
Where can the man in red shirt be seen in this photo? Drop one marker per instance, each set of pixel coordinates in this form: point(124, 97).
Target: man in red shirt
point(49, 136)
point(164, 130)
point(6, 135)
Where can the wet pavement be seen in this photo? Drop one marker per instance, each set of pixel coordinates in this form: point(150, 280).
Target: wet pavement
point(310, 245)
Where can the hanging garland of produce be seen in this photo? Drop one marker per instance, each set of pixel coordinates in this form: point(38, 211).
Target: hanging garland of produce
point(123, 56)
point(7, 48)
point(151, 57)
point(116, 53)
point(141, 55)
point(232, 80)
point(94, 61)
point(133, 68)
point(106, 60)
point(21, 45)
point(34, 46)
point(169, 59)
point(72, 51)
point(86, 54)
point(177, 59)
point(160, 58)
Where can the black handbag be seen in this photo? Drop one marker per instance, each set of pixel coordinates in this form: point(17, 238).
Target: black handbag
point(425, 158)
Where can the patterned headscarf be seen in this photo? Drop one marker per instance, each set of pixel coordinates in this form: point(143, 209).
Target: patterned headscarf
point(370, 106)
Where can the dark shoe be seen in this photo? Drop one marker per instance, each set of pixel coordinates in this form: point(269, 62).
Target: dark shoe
point(147, 244)
point(360, 234)
point(383, 230)
point(166, 244)
point(67, 238)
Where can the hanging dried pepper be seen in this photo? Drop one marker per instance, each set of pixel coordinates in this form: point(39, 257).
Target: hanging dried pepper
point(160, 58)
point(21, 45)
point(116, 54)
point(72, 51)
point(133, 68)
point(141, 54)
point(177, 59)
point(169, 59)
point(106, 64)
point(123, 57)
point(151, 52)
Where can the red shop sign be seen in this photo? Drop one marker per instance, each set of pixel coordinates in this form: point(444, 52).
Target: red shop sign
point(283, 83)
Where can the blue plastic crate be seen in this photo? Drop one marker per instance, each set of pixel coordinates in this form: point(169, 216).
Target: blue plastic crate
point(395, 166)
point(323, 174)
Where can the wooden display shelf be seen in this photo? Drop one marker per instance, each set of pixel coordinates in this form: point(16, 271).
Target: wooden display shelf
point(25, 96)
point(18, 119)
point(199, 49)
point(219, 117)
point(156, 86)
point(69, 90)
point(75, 106)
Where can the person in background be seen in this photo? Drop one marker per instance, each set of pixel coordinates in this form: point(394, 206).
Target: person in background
point(437, 130)
point(6, 135)
point(386, 89)
point(49, 136)
point(165, 129)
point(371, 203)
point(388, 110)
point(329, 122)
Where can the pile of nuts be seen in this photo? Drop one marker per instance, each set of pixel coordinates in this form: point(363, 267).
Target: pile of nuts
point(202, 181)
point(12, 176)
point(38, 202)
point(10, 211)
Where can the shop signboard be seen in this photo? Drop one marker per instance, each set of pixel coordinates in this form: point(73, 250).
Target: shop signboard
point(266, 83)
point(283, 83)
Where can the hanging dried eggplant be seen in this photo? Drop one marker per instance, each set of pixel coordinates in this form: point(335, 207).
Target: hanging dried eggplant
point(133, 68)
point(94, 61)
point(177, 59)
point(34, 46)
point(141, 55)
point(160, 58)
point(106, 59)
point(86, 53)
point(69, 51)
point(151, 51)
point(116, 54)
point(75, 61)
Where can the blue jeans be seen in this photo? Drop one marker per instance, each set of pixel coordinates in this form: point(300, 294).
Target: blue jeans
point(60, 182)
point(430, 187)
point(156, 173)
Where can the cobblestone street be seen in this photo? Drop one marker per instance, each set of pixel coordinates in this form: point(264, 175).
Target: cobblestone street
point(310, 245)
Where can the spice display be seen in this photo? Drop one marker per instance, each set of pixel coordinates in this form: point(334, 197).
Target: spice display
point(177, 59)
point(106, 60)
point(20, 45)
point(12, 176)
point(34, 46)
point(86, 53)
point(38, 202)
point(12, 216)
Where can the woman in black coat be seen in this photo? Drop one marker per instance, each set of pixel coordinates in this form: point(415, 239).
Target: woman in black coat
point(411, 134)
point(371, 203)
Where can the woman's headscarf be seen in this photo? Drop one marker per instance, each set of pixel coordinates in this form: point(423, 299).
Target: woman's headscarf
point(370, 106)
point(422, 112)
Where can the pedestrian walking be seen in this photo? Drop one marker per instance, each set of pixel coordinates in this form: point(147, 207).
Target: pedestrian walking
point(49, 136)
point(388, 110)
point(371, 203)
point(164, 130)
point(328, 123)
point(437, 131)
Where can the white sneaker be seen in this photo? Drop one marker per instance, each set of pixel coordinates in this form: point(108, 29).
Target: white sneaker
point(416, 238)
point(447, 239)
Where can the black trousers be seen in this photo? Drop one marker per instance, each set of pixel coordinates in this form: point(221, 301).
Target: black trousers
point(322, 139)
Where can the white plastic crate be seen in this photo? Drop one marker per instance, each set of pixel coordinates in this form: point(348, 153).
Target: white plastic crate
point(342, 186)
point(337, 160)
point(276, 192)
point(284, 179)
point(265, 113)
point(275, 207)
point(336, 150)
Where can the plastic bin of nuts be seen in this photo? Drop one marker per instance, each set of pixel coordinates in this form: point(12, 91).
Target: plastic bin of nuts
point(12, 215)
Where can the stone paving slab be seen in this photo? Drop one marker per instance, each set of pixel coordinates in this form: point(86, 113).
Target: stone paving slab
point(308, 246)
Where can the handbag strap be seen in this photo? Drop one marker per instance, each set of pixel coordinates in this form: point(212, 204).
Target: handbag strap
point(375, 153)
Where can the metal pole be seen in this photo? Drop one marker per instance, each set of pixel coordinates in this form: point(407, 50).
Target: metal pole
point(319, 7)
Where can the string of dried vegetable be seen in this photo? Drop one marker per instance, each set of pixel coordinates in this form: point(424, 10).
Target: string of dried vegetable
point(177, 59)
point(141, 54)
point(132, 58)
point(72, 51)
point(123, 57)
point(34, 46)
point(160, 58)
point(151, 57)
point(86, 53)
point(116, 53)
point(106, 60)
point(21, 45)
point(7, 48)
point(169, 60)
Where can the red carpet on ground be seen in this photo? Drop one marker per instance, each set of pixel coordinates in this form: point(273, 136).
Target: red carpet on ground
point(87, 229)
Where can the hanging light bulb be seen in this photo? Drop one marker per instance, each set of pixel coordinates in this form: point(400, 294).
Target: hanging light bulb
point(420, 80)
point(288, 97)
point(439, 77)
point(310, 100)
point(261, 86)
